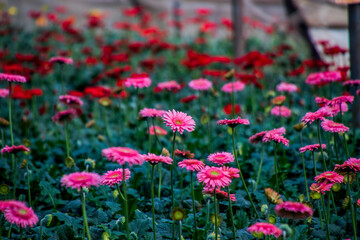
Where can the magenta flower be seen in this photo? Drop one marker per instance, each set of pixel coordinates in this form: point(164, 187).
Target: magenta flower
point(12, 77)
point(293, 210)
point(320, 114)
point(287, 87)
point(18, 213)
point(236, 87)
point(281, 110)
point(275, 135)
point(331, 126)
point(138, 82)
point(179, 121)
point(14, 149)
point(221, 158)
point(233, 122)
point(155, 159)
point(71, 101)
point(191, 164)
point(61, 60)
point(214, 177)
point(233, 172)
point(151, 112)
point(330, 176)
point(123, 155)
point(111, 178)
point(64, 116)
point(321, 187)
point(80, 180)
point(311, 147)
point(265, 228)
point(4, 93)
point(200, 84)
point(169, 85)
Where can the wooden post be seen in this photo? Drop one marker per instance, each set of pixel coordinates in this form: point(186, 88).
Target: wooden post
point(354, 37)
point(238, 38)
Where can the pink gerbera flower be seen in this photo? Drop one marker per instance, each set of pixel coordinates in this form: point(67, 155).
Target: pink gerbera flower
point(281, 111)
point(293, 210)
point(200, 84)
point(233, 172)
point(233, 122)
point(4, 204)
point(151, 112)
point(14, 149)
point(358, 202)
point(155, 159)
point(257, 137)
point(191, 164)
point(138, 82)
point(123, 155)
point(170, 85)
point(342, 99)
point(351, 165)
point(236, 87)
point(321, 101)
point(276, 136)
point(12, 77)
point(159, 131)
point(312, 147)
point(322, 187)
point(214, 177)
point(64, 116)
point(330, 176)
point(179, 121)
point(4, 93)
point(221, 158)
point(21, 216)
point(219, 194)
point(63, 60)
point(184, 154)
point(265, 229)
point(320, 114)
point(111, 178)
point(331, 126)
point(71, 101)
point(287, 87)
point(80, 180)
point(351, 82)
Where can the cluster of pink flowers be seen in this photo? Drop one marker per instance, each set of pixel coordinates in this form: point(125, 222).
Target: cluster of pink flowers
point(351, 165)
point(320, 115)
point(200, 84)
point(276, 135)
point(323, 78)
point(281, 111)
point(325, 181)
point(16, 212)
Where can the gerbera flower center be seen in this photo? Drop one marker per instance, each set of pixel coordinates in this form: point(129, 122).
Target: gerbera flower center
point(114, 175)
point(214, 173)
point(22, 212)
point(80, 178)
point(178, 121)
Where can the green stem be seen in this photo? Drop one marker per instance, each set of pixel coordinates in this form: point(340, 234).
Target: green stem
point(180, 231)
point(83, 204)
point(305, 177)
point(326, 218)
point(351, 207)
point(126, 204)
point(314, 162)
point(276, 169)
point(260, 166)
point(21, 233)
point(67, 146)
point(28, 183)
point(336, 149)
point(215, 207)
point(231, 214)
point(160, 176)
point(13, 162)
point(193, 204)
point(152, 201)
point(172, 184)
point(346, 147)
point(321, 149)
point(241, 175)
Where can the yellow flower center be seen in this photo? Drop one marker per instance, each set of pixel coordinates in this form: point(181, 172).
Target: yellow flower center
point(178, 121)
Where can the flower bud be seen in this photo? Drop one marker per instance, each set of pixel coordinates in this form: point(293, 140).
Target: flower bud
point(69, 162)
